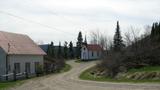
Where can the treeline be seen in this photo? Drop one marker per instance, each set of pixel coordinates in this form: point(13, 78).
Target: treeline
point(58, 52)
point(140, 52)
point(155, 33)
point(56, 56)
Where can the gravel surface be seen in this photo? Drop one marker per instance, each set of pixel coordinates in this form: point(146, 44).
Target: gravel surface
point(70, 81)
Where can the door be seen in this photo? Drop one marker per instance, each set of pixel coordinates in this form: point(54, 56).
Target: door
point(17, 67)
point(27, 68)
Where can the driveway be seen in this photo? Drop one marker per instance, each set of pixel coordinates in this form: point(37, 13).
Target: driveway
point(70, 81)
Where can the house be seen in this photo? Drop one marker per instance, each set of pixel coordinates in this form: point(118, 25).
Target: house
point(91, 51)
point(18, 53)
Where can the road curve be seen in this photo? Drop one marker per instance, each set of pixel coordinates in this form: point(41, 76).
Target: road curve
point(70, 81)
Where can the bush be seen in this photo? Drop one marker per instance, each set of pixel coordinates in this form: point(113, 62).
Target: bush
point(141, 53)
point(39, 70)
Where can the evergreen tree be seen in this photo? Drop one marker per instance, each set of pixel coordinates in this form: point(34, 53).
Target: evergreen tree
point(71, 53)
point(59, 54)
point(79, 44)
point(153, 30)
point(118, 42)
point(158, 30)
point(50, 50)
point(65, 50)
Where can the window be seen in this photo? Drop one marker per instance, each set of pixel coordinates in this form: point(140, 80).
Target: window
point(36, 66)
point(17, 67)
point(27, 67)
point(92, 54)
point(97, 53)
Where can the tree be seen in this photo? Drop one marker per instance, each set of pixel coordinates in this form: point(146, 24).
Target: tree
point(95, 35)
point(65, 50)
point(99, 38)
point(155, 32)
point(59, 54)
point(50, 50)
point(79, 44)
point(118, 42)
point(71, 53)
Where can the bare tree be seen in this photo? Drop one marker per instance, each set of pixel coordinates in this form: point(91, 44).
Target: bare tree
point(95, 35)
point(147, 30)
point(99, 38)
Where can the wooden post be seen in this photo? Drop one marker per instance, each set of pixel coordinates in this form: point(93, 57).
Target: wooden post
point(26, 73)
point(14, 75)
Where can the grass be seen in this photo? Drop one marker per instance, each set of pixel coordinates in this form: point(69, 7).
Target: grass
point(66, 68)
point(81, 61)
point(78, 61)
point(146, 69)
point(86, 75)
point(5, 85)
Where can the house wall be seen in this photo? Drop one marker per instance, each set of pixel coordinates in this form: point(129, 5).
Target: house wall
point(95, 55)
point(84, 53)
point(22, 59)
point(2, 62)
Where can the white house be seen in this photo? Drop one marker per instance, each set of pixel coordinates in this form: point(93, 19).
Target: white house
point(18, 53)
point(91, 51)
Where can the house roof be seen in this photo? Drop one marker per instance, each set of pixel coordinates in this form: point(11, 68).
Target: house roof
point(94, 47)
point(13, 43)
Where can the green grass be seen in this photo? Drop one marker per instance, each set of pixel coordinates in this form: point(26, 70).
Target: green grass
point(81, 61)
point(78, 61)
point(5, 85)
point(145, 69)
point(87, 76)
point(66, 68)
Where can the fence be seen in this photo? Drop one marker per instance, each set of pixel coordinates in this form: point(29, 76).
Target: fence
point(14, 76)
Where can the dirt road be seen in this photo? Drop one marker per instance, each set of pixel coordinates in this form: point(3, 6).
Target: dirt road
point(70, 81)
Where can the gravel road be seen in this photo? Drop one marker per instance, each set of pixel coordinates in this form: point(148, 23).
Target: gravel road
point(70, 81)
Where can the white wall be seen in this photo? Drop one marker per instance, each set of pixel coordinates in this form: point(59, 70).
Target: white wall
point(95, 56)
point(22, 59)
point(84, 53)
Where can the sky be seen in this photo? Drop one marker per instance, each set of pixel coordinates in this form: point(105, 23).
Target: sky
point(61, 20)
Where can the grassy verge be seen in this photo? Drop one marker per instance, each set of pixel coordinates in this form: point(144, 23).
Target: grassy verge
point(81, 61)
point(146, 69)
point(78, 61)
point(5, 85)
point(66, 68)
point(86, 75)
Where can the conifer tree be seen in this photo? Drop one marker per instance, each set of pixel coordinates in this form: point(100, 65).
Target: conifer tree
point(65, 50)
point(59, 54)
point(79, 44)
point(153, 30)
point(118, 42)
point(71, 53)
point(50, 50)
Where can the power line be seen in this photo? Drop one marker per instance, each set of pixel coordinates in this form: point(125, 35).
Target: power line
point(31, 21)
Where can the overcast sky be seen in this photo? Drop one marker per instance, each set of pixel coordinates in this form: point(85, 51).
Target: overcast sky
point(61, 20)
